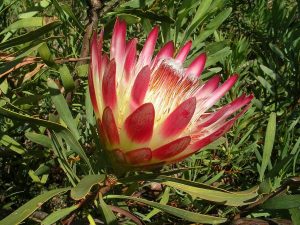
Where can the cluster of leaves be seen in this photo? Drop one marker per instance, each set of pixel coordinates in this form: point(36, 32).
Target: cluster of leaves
point(48, 140)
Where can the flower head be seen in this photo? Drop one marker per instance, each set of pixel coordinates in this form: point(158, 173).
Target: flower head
point(151, 110)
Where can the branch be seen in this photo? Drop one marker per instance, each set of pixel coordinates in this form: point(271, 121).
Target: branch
point(93, 10)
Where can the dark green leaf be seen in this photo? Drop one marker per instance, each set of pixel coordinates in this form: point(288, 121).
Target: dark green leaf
point(29, 36)
point(282, 202)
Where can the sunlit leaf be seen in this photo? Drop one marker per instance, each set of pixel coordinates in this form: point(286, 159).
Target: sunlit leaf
point(85, 185)
point(184, 214)
point(28, 208)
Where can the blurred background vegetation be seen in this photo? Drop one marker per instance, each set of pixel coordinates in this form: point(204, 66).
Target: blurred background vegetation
point(258, 39)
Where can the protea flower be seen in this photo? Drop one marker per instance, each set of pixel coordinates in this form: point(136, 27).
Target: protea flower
point(151, 110)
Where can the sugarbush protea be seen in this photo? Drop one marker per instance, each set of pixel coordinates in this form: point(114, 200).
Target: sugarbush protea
point(151, 110)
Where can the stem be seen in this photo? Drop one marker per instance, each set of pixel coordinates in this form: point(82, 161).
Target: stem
point(93, 10)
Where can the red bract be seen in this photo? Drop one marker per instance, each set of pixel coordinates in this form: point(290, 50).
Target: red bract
point(151, 110)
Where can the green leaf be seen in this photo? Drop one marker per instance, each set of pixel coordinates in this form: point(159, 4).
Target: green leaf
point(11, 144)
point(109, 216)
point(201, 11)
point(160, 176)
point(34, 177)
point(214, 25)
point(143, 14)
point(164, 200)
point(129, 18)
point(59, 214)
point(66, 78)
point(28, 208)
point(201, 191)
point(24, 23)
point(295, 215)
point(268, 146)
point(30, 35)
point(61, 152)
point(4, 86)
point(70, 13)
point(82, 70)
point(89, 108)
point(265, 84)
point(39, 139)
point(217, 56)
point(215, 178)
point(269, 72)
point(198, 18)
point(46, 55)
point(186, 215)
point(85, 185)
point(62, 107)
point(27, 14)
point(282, 202)
point(58, 128)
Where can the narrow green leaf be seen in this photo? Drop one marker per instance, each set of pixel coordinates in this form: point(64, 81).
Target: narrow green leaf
point(39, 139)
point(44, 167)
point(295, 215)
point(186, 215)
point(58, 128)
point(269, 72)
point(62, 107)
point(282, 202)
point(160, 176)
point(143, 14)
point(27, 14)
point(89, 108)
point(198, 18)
point(24, 23)
point(201, 11)
point(217, 56)
point(129, 18)
point(268, 146)
point(109, 216)
point(34, 177)
point(82, 70)
point(164, 200)
point(28, 208)
point(226, 198)
point(85, 185)
point(11, 144)
point(186, 7)
point(4, 86)
point(70, 13)
point(59, 214)
point(46, 55)
point(66, 78)
point(29, 36)
point(61, 152)
point(265, 84)
point(215, 178)
point(214, 24)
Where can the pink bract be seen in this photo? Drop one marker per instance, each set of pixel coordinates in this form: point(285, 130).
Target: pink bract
point(151, 110)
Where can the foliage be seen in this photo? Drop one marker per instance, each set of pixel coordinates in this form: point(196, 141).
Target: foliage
point(52, 162)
